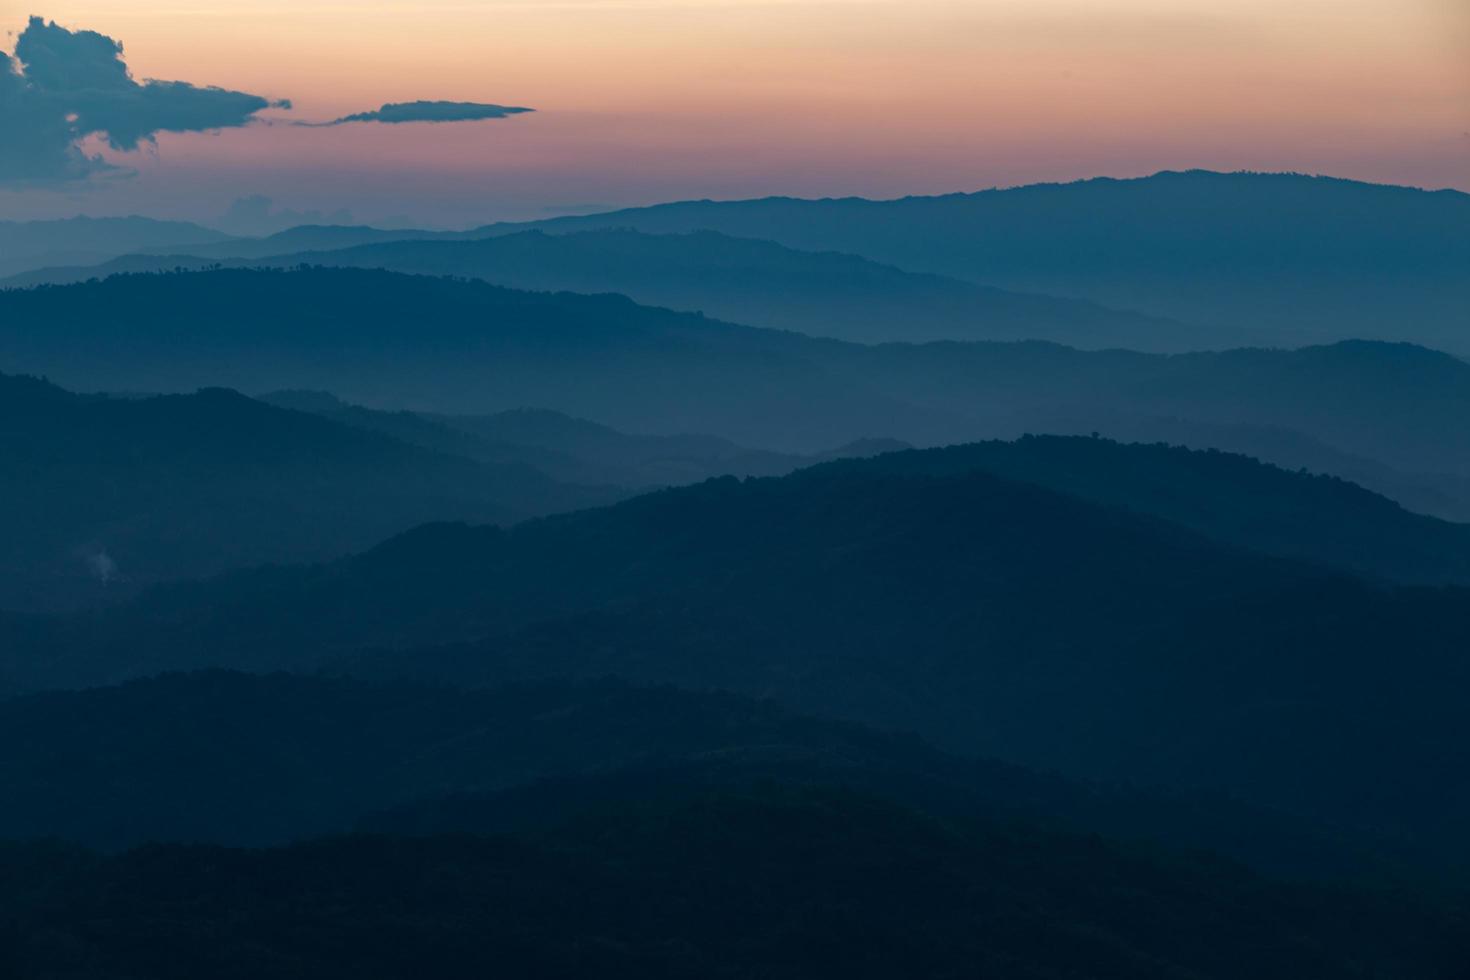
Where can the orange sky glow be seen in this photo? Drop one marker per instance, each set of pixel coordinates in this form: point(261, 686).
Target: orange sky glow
point(645, 100)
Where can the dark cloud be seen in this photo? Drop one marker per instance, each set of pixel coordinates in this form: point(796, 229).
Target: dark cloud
point(406, 112)
point(62, 86)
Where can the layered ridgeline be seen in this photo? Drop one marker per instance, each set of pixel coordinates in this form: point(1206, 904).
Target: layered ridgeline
point(1303, 259)
point(664, 737)
point(571, 449)
point(1211, 260)
point(102, 496)
point(184, 757)
point(389, 340)
point(741, 883)
point(580, 451)
point(576, 828)
point(26, 245)
point(924, 592)
point(737, 279)
point(1230, 498)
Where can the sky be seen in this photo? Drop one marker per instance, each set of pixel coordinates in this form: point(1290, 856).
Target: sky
point(638, 101)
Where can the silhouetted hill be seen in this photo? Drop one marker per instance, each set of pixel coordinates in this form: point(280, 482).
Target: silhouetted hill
point(102, 496)
point(930, 538)
point(1226, 496)
point(1334, 702)
point(768, 881)
point(389, 340)
point(1231, 498)
point(742, 280)
point(1440, 494)
point(993, 616)
point(242, 759)
point(1311, 259)
point(28, 245)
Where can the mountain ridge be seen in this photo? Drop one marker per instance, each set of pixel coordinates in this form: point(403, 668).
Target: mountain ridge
point(1314, 259)
point(990, 616)
point(741, 280)
point(477, 348)
point(85, 521)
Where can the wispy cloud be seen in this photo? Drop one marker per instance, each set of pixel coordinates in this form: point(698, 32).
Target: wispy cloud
point(410, 112)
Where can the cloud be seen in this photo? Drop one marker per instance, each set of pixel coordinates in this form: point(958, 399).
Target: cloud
point(61, 87)
point(406, 112)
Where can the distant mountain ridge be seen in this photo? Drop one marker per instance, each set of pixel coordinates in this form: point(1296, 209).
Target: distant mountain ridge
point(1311, 259)
point(741, 280)
point(463, 347)
point(571, 449)
point(1275, 259)
point(300, 238)
point(26, 245)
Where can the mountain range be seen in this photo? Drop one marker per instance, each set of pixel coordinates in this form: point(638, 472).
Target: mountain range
point(1061, 581)
point(569, 449)
point(104, 496)
point(741, 280)
point(26, 245)
point(499, 801)
point(1309, 259)
point(917, 592)
point(685, 882)
point(1198, 259)
point(168, 755)
point(460, 347)
point(299, 476)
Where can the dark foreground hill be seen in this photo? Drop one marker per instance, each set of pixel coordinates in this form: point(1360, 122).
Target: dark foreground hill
point(816, 543)
point(1442, 494)
point(1228, 497)
point(1308, 259)
point(742, 280)
point(243, 759)
point(766, 881)
point(387, 340)
point(993, 616)
point(100, 496)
